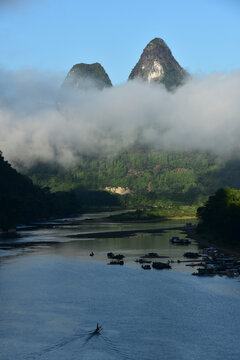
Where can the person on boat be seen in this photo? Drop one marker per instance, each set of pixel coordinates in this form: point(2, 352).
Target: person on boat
point(98, 328)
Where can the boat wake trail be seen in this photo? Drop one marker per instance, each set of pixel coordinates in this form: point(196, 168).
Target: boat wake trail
point(115, 349)
point(90, 336)
point(86, 337)
point(65, 341)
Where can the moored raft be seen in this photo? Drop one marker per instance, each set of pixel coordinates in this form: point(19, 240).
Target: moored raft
point(111, 255)
point(191, 255)
point(115, 262)
point(142, 261)
point(153, 255)
point(146, 267)
point(160, 266)
point(177, 241)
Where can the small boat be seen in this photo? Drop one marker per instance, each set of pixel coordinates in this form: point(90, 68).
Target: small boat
point(160, 265)
point(146, 267)
point(205, 272)
point(177, 241)
point(111, 255)
point(97, 330)
point(174, 239)
point(152, 255)
point(142, 261)
point(118, 257)
point(114, 262)
point(191, 255)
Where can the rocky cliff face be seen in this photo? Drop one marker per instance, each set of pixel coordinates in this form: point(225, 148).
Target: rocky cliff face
point(87, 76)
point(157, 64)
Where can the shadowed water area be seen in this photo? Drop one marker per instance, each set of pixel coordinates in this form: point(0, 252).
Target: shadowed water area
point(53, 293)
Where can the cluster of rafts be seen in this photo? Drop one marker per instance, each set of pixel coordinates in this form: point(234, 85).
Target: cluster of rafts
point(144, 260)
point(214, 262)
point(210, 261)
point(148, 261)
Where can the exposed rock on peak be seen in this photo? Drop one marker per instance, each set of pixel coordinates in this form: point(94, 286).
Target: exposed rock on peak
point(87, 76)
point(158, 64)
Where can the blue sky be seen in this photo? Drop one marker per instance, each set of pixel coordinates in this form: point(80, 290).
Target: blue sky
point(204, 35)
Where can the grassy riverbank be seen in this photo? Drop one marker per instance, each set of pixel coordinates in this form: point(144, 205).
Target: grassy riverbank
point(174, 213)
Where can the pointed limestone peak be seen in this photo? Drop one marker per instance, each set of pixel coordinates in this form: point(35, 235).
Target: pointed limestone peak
point(157, 64)
point(87, 76)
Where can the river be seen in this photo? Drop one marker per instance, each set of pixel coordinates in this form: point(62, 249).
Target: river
point(52, 294)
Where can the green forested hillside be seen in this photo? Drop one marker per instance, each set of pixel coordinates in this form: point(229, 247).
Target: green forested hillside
point(158, 179)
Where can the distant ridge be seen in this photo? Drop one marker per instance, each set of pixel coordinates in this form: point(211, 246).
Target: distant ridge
point(157, 64)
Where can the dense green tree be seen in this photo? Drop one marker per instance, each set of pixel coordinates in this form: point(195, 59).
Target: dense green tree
point(21, 200)
point(220, 216)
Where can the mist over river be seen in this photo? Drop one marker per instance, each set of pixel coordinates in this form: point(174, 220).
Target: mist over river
point(52, 294)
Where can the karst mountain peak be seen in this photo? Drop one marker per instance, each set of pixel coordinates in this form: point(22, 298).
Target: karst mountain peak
point(157, 64)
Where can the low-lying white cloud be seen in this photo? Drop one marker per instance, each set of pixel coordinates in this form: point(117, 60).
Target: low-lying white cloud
point(40, 122)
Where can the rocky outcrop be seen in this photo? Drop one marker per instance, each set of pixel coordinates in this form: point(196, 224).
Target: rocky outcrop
point(157, 64)
point(118, 190)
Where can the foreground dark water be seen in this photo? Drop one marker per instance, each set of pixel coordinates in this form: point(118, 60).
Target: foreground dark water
point(51, 298)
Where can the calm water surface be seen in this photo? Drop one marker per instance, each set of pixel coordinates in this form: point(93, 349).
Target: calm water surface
point(51, 298)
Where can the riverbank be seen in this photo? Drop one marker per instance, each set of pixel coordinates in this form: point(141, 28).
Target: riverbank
point(148, 220)
point(205, 241)
point(174, 213)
